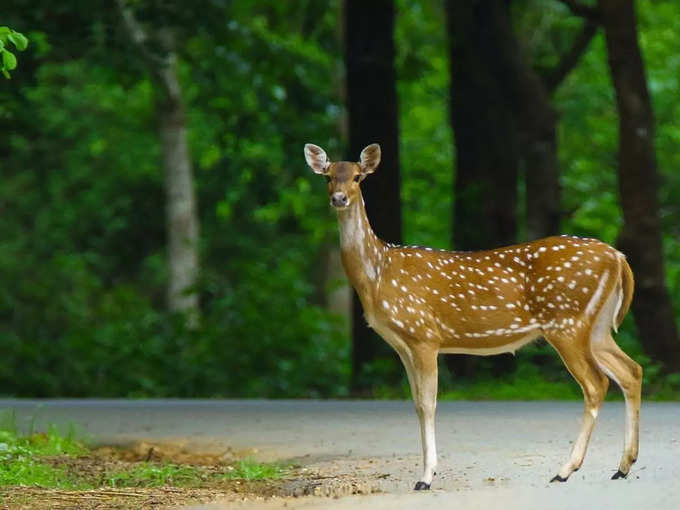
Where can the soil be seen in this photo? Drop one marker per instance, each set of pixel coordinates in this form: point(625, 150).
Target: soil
point(95, 467)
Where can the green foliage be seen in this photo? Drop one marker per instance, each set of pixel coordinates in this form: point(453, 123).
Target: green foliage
point(8, 61)
point(82, 255)
point(527, 383)
point(82, 242)
point(426, 144)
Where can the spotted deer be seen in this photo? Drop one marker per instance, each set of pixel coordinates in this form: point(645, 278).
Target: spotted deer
point(423, 302)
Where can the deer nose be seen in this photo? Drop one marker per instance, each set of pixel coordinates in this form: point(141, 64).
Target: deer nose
point(339, 199)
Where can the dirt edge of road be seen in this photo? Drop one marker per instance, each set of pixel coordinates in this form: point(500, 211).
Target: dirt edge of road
point(96, 466)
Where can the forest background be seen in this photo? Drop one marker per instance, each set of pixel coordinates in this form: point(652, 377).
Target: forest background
point(161, 235)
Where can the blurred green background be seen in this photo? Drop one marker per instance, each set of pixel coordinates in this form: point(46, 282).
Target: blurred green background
point(83, 269)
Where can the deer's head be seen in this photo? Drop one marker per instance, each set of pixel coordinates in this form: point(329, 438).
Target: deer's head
point(343, 177)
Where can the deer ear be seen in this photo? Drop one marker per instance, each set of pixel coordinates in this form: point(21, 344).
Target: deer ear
point(370, 158)
point(316, 158)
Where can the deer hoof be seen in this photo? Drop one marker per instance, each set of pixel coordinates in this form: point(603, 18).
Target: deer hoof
point(619, 474)
point(558, 478)
point(422, 486)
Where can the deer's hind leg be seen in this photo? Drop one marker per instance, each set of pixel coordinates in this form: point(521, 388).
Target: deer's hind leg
point(627, 374)
point(579, 360)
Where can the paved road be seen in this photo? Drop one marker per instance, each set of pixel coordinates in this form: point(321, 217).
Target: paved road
point(489, 452)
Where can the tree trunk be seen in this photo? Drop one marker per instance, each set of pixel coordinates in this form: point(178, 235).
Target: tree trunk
point(485, 129)
point(180, 211)
point(538, 135)
point(180, 204)
point(372, 115)
point(487, 147)
point(538, 132)
point(640, 237)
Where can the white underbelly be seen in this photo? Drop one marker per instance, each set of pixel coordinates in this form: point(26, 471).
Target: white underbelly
point(490, 351)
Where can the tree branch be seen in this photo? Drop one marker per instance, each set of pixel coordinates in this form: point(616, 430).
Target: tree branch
point(138, 36)
point(160, 65)
point(554, 77)
point(583, 10)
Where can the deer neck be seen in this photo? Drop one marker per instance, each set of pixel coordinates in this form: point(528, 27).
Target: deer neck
point(362, 251)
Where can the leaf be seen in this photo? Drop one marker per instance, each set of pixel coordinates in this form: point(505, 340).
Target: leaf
point(9, 61)
point(19, 40)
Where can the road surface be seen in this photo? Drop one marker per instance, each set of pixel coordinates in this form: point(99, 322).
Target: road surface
point(491, 454)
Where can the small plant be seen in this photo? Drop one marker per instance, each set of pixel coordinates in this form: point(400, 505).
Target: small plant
point(8, 61)
point(248, 469)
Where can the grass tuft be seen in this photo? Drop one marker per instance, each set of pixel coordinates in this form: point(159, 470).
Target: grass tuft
point(156, 475)
point(248, 469)
point(32, 473)
point(19, 456)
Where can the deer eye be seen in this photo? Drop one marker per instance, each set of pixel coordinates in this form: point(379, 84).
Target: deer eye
point(357, 177)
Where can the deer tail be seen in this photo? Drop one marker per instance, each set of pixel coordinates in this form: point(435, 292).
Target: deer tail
point(625, 288)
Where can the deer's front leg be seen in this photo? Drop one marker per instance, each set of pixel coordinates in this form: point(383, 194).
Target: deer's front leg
point(421, 367)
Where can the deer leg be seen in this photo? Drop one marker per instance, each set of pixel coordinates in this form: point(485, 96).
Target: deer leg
point(628, 375)
point(584, 368)
point(421, 367)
